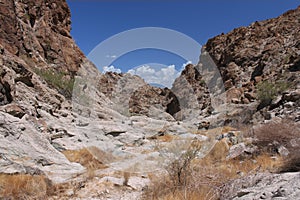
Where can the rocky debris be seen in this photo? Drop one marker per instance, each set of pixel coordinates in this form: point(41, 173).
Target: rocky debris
point(287, 106)
point(264, 186)
point(203, 125)
point(233, 137)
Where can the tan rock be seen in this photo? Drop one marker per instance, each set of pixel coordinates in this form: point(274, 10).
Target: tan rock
point(14, 110)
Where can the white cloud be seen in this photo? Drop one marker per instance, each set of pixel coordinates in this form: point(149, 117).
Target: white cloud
point(111, 69)
point(185, 64)
point(163, 75)
point(111, 56)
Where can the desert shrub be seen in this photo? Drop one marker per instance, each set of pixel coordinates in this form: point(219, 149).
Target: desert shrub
point(57, 79)
point(269, 137)
point(182, 179)
point(179, 169)
point(273, 134)
point(204, 178)
point(268, 91)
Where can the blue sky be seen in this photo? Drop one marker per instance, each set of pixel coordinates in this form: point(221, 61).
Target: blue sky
point(95, 21)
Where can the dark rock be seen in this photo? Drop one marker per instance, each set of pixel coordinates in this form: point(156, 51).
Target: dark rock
point(5, 96)
point(204, 125)
point(15, 110)
point(115, 133)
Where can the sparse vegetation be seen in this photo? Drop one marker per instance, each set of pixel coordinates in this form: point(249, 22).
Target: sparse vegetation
point(202, 82)
point(271, 136)
point(57, 79)
point(85, 157)
point(208, 176)
point(268, 91)
point(189, 177)
point(179, 169)
point(23, 186)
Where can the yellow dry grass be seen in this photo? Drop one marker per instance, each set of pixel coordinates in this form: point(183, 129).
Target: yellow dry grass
point(23, 186)
point(210, 174)
point(166, 138)
point(92, 158)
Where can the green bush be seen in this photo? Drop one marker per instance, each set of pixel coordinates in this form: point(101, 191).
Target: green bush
point(58, 80)
point(202, 82)
point(268, 91)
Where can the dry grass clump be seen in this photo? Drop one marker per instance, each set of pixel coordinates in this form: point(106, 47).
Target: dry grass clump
point(191, 178)
point(23, 186)
point(271, 136)
point(166, 138)
point(91, 158)
point(276, 133)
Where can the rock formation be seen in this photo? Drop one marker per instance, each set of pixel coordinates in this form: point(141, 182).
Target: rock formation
point(39, 32)
point(53, 100)
point(264, 54)
point(140, 98)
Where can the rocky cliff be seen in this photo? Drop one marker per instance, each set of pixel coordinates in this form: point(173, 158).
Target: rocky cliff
point(38, 60)
point(39, 31)
point(261, 63)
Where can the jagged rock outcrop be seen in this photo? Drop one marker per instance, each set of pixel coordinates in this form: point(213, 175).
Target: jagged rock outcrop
point(263, 56)
point(264, 50)
point(136, 97)
point(191, 90)
point(39, 32)
point(153, 102)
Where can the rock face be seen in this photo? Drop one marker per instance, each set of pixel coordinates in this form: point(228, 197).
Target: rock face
point(192, 92)
point(132, 93)
point(39, 32)
point(261, 57)
point(264, 50)
point(35, 48)
point(264, 186)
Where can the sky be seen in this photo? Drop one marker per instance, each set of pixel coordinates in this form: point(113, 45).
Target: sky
point(112, 35)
